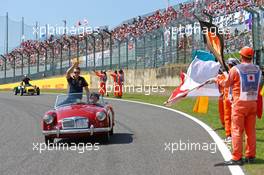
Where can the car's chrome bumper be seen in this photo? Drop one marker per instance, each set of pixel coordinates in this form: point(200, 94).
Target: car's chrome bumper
point(90, 130)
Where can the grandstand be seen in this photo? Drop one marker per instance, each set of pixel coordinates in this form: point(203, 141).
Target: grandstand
point(145, 41)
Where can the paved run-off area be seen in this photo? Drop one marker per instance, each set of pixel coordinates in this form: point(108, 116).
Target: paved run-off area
point(142, 143)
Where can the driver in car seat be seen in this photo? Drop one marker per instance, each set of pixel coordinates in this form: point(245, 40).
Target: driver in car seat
point(25, 81)
point(94, 98)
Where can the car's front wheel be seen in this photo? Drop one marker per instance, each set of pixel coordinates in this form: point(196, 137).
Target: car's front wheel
point(38, 92)
point(106, 137)
point(112, 131)
point(21, 92)
point(48, 140)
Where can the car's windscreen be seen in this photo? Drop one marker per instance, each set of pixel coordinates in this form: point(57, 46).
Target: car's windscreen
point(76, 98)
point(68, 99)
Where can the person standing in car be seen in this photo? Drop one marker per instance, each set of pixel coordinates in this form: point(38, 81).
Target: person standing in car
point(76, 83)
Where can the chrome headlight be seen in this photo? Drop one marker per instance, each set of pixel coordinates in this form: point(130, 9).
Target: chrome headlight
point(48, 119)
point(100, 116)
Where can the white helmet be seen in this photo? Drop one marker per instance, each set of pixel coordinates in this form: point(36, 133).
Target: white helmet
point(232, 61)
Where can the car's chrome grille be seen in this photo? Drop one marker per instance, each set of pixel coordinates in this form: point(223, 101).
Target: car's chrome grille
point(68, 124)
point(75, 123)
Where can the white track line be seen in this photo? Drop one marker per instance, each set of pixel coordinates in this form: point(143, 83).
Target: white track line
point(235, 170)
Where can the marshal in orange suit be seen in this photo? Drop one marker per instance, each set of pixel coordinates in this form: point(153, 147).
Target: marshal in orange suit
point(245, 81)
point(227, 99)
point(102, 83)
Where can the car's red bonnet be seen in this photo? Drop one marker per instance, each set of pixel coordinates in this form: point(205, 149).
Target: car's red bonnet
point(78, 110)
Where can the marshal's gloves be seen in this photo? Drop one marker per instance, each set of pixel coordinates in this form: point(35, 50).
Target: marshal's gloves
point(212, 80)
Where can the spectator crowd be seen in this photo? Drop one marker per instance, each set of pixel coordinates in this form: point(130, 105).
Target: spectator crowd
point(53, 46)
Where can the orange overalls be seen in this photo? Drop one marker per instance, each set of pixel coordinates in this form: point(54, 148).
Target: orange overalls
point(227, 112)
point(120, 83)
point(117, 86)
point(224, 107)
point(244, 79)
point(221, 102)
point(102, 84)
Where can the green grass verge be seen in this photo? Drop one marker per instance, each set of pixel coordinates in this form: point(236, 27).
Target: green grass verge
point(232, 55)
point(211, 119)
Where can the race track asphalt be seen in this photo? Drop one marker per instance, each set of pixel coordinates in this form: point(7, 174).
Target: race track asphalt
point(138, 146)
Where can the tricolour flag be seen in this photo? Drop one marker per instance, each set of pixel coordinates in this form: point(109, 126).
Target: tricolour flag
point(202, 68)
point(196, 81)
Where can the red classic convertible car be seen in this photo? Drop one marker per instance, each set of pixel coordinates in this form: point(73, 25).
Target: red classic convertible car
point(72, 117)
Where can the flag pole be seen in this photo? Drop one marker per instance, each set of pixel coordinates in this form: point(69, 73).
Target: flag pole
point(220, 57)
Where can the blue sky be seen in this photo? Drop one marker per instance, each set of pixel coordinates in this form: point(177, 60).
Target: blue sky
point(97, 12)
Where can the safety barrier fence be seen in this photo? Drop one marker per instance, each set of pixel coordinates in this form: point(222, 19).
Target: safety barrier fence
point(152, 50)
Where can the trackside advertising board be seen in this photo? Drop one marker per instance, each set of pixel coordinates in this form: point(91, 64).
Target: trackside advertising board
point(49, 83)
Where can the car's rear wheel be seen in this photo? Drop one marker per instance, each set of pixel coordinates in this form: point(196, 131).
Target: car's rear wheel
point(49, 140)
point(106, 137)
point(15, 91)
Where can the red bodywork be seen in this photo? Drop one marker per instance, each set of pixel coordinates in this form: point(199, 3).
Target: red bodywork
point(82, 110)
